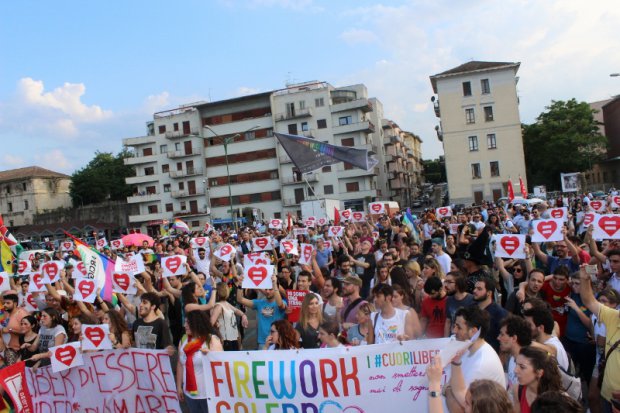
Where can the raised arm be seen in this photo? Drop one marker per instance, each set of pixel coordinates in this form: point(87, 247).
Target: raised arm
point(587, 295)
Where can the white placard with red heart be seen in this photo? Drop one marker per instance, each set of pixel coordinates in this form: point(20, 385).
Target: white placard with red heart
point(305, 256)
point(208, 228)
point(559, 213)
point(131, 265)
point(124, 283)
point(51, 271)
point(225, 252)
point(85, 290)
point(275, 224)
point(289, 246)
point(346, 214)
point(67, 246)
point(454, 229)
point(443, 212)
point(327, 244)
point(36, 283)
point(311, 218)
point(102, 242)
point(598, 205)
point(300, 231)
point(30, 304)
point(66, 356)
point(376, 208)
point(336, 231)
point(607, 226)
point(256, 258)
point(510, 246)
point(200, 242)
point(117, 244)
point(615, 202)
point(24, 267)
point(546, 230)
point(258, 277)
point(261, 244)
point(5, 284)
point(357, 216)
point(309, 223)
point(321, 221)
point(79, 269)
point(375, 235)
point(173, 265)
point(96, 337)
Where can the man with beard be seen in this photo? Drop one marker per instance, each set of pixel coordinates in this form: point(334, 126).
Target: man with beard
point(562, 257)
point(150, 330)
point(433, 315)
point(541, 323)
point(352, 301)
point(331, 298)
point(365, 266)
point(456, 290)
point(533, 286)
point(483, 296)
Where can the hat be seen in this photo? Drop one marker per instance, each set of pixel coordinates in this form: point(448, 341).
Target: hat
point(478, 250)
point(353, 279)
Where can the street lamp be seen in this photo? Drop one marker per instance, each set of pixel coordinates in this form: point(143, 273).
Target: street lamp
point(226, 141)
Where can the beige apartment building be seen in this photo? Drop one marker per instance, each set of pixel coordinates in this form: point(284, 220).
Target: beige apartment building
point(480, 128)
point(25, 192)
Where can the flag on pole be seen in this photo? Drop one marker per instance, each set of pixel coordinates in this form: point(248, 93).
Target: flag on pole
point(6, 234)
point(98, 267)
point(336, 216)
point(523, 188)
point(511, 191)
point(180, 225)
point(408, 220)
point(309, 154)
point(6, 258)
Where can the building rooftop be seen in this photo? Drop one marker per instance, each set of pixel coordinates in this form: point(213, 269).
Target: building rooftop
point(29, 172)
point(473, 66)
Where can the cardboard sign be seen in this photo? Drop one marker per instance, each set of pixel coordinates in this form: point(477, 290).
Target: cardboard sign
point(336, 231)
point(294, 299)
point(5, 283)
point(309, 223)
point(258, 277)
point(615, 202)
point(321, 221)
point(598, 205)
point(225, 252)
point(546, 230)
point(66, 356)
point(101, 242)
point(607, 226)
point(85, 290)
point(357, 216)
point(261, 244)
point(289, 246)
point(443, 212)
point(256, 258)
point(132, 265)
point(173, 265)
point(510, 246)
point(124, 283)
point(67, 246)
point(559, 213)
point(376, 208)
point(30, 303)
point(346, 214)
point(199, 242)
point(305, 256)
point(96, 337)
point(117, 244)
point(275, 224)
point(36, 283)
point(24, 267)
point(51, 271)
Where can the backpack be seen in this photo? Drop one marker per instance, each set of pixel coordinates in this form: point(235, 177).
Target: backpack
point(571, 382)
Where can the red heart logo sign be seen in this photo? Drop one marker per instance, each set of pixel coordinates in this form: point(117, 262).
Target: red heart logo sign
point(95, 335)
point(443, 211)
point(509, 244)
point(122, 280)
point(257, 274)
point(288, 246)
point(225, 250)
point(557, 213)
point(309, 223)
point(346, 214)
point(30, 299)
point(377, 207)
point(321, 221)
point(262, 242)
point(596, 205)
point(609, 224)
point(65, 355)
point(328, 244)
point(546, 228)
point(275, 222)
point(616, 200)
point(37, 279)
point(81, 268)
point(86, 287)
point(51, 269)
point(200, 241)
point(335, 231)
point(67, 245)
point(358, 216)
point(101, 242)
point(116, 243)
point(308, 252)
point(22, 266)
point(173, 264)
point(588, 219)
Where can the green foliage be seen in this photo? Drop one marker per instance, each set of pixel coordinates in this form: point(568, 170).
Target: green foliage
point(565, 138)
point(435, 171)
point(102, 179)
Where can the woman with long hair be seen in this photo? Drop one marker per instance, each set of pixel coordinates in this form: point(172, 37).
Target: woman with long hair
point(120, 335)
point(416, 287)
point(192, 297)
point(310, 318)
point(51, 334)
point(200, 337)
point(356, 334)
point(282, 336)
point(27, 339)
point(382, 276)
point(75, 325)
point(224, 316)
point(432, 268)
point(537, 372)
point(329, 334)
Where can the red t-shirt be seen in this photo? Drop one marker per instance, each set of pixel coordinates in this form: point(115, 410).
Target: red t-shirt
point(558, 304)
point(435, 312)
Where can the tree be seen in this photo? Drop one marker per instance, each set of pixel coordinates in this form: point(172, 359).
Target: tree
point(435, 170)
point(565, 138)
point(102, 179)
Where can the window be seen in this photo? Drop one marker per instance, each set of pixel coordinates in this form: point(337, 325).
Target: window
point(26, 204)
point(321, 123)
point(485, 86)
point(304, 126)
point(24, 186)
point(162, 129)
point(169, 208)
point(290, 110)
point(318, 102)
point(10, 207)
point(494, 168)
point(470, 117)
point(175, 126)
point(348, 141)
point(181, 186)
point(152, 209)
point(475, 171)
point(165, 169)
point(302, 104)
point(8, 189)
point(345, 120)
point(177, 146)
point(163, 149)
point(213, 182)
point(473, 143)
point(327, 168)
point(250, 136)
point(183, 206)
point(466, 88)
point(347, 166)
point(166, 187)
point(353, 186)
point(491, 141)
point(179, 166)
point(195, 223)
point(328, 189)
point(147, 152)
point(488, 113)
point(149, 171)
point(150, 190)
point(292, 129)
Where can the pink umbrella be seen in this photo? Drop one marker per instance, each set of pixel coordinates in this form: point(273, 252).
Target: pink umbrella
point(137, 239)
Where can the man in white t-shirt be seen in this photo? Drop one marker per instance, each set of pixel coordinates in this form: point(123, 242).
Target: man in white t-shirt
point(541, 323)
point(514, 334)
point(390, 324)
point(442, 258)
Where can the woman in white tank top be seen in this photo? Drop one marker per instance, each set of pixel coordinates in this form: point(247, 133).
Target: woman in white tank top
point(224, 316)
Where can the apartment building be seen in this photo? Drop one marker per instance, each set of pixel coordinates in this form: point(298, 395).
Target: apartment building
point(25, 192)
point(480, 129)
point(220, 162)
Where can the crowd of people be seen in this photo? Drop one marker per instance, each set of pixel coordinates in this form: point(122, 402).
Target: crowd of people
point(535, 325)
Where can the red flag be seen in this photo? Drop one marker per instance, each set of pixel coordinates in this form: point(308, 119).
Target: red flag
point(6, 235)
point(288, 222)
point(511, 191)
point(523, 188)
point(336, 216)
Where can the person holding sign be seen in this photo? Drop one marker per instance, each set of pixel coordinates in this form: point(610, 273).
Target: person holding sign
point(51, 334)
point(120, 336)
point(224, 315)
point(562, 257)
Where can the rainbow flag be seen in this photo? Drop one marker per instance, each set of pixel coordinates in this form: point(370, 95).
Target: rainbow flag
point(180, 225)
point(6, 258)
point(151, 258)
point(98, 267)
point(408, 220)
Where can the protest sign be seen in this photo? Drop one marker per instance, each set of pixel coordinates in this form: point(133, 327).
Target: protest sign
point(24, 267)
point(85, 290)
point(5, 283)
point(117, 244)
point(67, 246)
point(255, 258)
point(346, 214)
point(607, 226)
point(132, 265)
point(51, 271)
point(124, 283)
point(336, 231)
point(30, 304)
point(376, 208)
point(559, 213)
point(443, 212)
point(305, 258)
point(546, 230)
point(258, 277)
point(102, 242)
point(261, 244)
point(510, 246)
point(96, 337)
point(615, 202)
point(199, 242)
point(598, 205)
point(321, 221)
point(275, 224)
point(294, 299)
point(309, 223)
point(36, 283)
point(79, 269)
point(289, 246)
point(357, 216)
point(66, 356)
point(173, 265)
point(300, 231)
point(225, 252)
point(13, 380)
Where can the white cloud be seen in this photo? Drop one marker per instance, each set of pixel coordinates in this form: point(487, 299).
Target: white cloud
point(358, 36)
point(155, 103)
point(244, 91)
point(11, 161)
point(54, 160)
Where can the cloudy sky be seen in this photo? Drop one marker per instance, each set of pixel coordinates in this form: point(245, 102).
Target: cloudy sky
point(77, 77)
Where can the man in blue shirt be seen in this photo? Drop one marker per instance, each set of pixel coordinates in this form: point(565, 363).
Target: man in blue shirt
point(561, 257)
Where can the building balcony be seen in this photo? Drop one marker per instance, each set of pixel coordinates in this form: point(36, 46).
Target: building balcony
point(145, 217)
point(187, 194)
point(290, 202)
point(182, 134)
point(356, 173)
point(191, 213)
point(140, 140)
point(291, 180)
point(141, 179)
point(138, 160)
point(136, 199)
point(364, 126)
point(397, 184)
point(296, 114)
point(185, 173)
point(392, 139)
point(184, 153)
point(361, 104)
point(395, 167)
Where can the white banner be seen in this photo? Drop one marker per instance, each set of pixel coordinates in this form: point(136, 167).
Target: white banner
point(546, 230)
point(365, 379)
point(510, 246)
point(132, 265)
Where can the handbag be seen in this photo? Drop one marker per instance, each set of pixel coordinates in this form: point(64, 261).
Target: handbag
point(603, 363)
